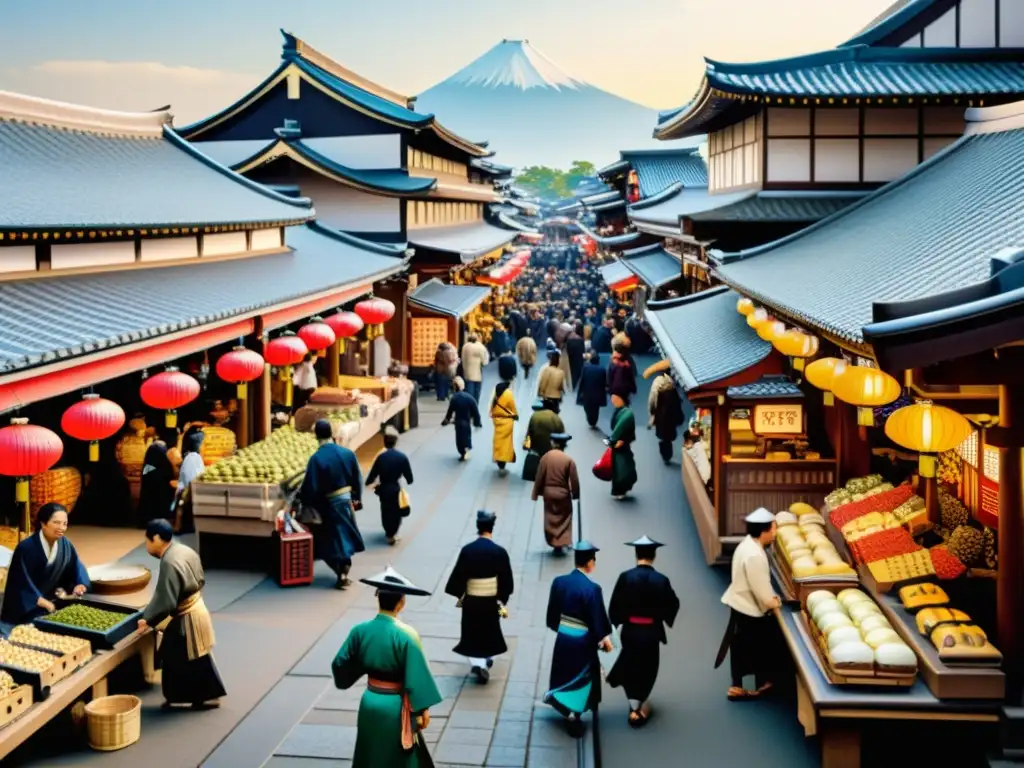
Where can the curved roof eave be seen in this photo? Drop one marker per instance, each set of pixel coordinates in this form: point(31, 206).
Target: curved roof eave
point(893, 20)
point(675, 127)
point(188, 131)
point(384, 249)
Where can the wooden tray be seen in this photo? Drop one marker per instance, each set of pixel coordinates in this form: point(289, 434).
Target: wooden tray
point(69, 661)
point(14, 704)
point(40, 682)
point(101, 586)
point(797, 590)
point(99, 640)
point(850, 677)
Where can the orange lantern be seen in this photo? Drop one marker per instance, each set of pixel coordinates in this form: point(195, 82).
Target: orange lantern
point(771, 330)
point(821, 372)
point(744, 306)
point(756, 318)
point(867, 388)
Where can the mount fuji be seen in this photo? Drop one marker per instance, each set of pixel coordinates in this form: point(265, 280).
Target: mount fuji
point(534, 113)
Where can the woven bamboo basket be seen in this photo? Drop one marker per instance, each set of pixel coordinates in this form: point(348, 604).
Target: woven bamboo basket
point(114, 722)
point(130, 451)
point(62, 486)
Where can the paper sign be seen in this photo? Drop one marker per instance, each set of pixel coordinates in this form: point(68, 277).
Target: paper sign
point(778, 419)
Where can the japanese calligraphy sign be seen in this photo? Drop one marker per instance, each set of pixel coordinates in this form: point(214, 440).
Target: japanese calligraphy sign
point(779, 419)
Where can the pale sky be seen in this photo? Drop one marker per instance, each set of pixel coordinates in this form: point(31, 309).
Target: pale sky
point(200, 55)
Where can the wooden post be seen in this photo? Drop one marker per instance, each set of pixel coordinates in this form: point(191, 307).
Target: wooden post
point(242, 418)
point(334, 364)
point(719, 446)
point(261, 406)
point(1010, 589)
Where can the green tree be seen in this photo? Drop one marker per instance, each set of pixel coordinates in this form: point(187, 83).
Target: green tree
point(553, 182)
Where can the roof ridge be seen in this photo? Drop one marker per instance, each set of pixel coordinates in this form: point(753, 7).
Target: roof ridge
point(296, 46)
point(76, 117)
point(895, 17)
point(384, 249)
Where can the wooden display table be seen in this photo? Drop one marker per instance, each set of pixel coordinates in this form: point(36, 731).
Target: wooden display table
point(93, 675)
point(837, 714)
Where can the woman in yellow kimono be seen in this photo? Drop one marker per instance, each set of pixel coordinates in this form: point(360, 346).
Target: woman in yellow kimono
point(504, 414)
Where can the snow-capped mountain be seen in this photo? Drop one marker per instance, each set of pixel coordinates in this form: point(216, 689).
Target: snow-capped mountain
point(534, 113)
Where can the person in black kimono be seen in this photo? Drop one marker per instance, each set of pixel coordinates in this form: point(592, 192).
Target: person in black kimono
point(576, 612)
point(593, 390)
point(389, 468)
point(643, 602)
point(482, 582)
point(463, 410)
point(333, 486)
point(156, 493)
point(575, 350)
point(666, 409)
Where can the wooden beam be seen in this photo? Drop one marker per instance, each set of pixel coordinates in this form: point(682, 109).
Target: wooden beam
point(1010, 588)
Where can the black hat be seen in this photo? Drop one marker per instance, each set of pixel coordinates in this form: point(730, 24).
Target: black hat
point(560, 437)
point(645, 542)
point(584, 546)
point(485, 516)
point(391, 580)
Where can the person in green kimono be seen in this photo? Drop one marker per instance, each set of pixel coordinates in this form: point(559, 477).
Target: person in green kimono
point(400, 688)
point(544, 423)
point(621, 441)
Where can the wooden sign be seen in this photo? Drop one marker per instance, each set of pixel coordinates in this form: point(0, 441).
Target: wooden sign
point(426, 333)
point(787, 419)
point(988, 503)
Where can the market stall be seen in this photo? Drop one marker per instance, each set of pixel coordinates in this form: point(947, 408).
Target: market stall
point(436, 314)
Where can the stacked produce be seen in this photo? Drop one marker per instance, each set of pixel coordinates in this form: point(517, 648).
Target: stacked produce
point(951, 467)
point(218, 443)
point(86, 617)
point(952, 512)
point(858, 638)
point(802, 539)
point(30, 635)
point(283, 454)
point(902, 567)
point(947, 565)
point(62, 486)
point(967, 544)
point(883, 501)
point(955, 637)
point(855, 490)
point(25, 658)
point(883, 544)
point(7, 683)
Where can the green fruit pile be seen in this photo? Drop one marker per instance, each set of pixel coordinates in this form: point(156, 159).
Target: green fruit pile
point(283, 454)
point(86, 617)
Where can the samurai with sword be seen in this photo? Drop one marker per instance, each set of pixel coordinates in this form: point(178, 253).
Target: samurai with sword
point(482, 582)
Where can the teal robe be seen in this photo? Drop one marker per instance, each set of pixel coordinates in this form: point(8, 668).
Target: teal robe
point(386, 648)
point(623, 463)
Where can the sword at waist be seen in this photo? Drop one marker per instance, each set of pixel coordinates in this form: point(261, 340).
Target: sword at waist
point(482, 587)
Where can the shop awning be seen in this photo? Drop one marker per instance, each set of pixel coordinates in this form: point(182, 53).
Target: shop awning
point(468, 241)
point(614, 241)
point(704, 337)
point(58, 319)
point(453, 300)
point(653, 265)
point(617, 276)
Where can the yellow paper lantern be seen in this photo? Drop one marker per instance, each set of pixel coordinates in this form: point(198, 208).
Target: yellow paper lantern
point(758, 317)
point(798, 345)
point(928, 429)
point(745, 306)
point(771, 330)
point(867, 388)
point(821, 372)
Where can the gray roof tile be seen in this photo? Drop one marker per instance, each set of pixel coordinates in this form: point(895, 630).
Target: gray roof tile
point(653, 265)
point(614, 273)
point(705, 338)
point(469, 240)
point(931, 231)
point(56, 177)
point(766, 388)
point(56, 318)
point(780, 207)
point(659, 169)
point(454, 300)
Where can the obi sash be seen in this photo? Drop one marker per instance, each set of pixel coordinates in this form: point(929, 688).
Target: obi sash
point(388, 687)
point(340, 492)
point(198, 626)
point(571, 627)
point(643, 621)
point(482, 587)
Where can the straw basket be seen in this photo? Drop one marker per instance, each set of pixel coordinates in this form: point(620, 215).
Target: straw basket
point(114, 722)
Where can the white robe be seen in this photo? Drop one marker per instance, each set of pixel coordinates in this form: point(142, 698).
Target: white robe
point(751, 591)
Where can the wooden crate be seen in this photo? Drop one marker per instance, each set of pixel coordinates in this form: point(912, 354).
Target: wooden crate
point(69, 662)
point(819, 649)
point(15, 703)
point(259, 501)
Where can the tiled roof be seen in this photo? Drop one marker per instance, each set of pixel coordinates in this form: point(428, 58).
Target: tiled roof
point(56, 318)
point(615, 273)
point(704, 337)
point(601, 197)
point(232, 153)
point(860, 71)
point(454, 300)
point(780, 207)
point(514, 223)
point(765, 388)
point(658, 169)
point(653, 265)
point(52, 177)
point(933, 230)
point(614, 168)
point(614, 240)
point(687, 203)
point(608, 206)
point(899, 21)
point(466, 240)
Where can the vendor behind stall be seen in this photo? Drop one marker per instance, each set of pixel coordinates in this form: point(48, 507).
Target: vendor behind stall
point(43, 568)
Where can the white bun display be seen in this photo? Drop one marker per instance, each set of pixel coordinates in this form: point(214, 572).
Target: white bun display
point(850, 596)
point(873, 622)
point(895, 655)
point(833, 621)
point(853, 653)
point(825, 606)
point(785, 518)
point(860, 611)
point(818, 596)
point(804, 563)
point(799, 553)
point(842, 635)
point(812, 518)
point(881, 636)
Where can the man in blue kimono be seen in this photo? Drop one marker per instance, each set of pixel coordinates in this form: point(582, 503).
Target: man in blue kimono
point(333, 486)
point(576, 612)
point(482, 582)
point(593, 389)
point(463, 410)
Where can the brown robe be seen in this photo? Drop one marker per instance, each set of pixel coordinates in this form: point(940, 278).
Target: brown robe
point(558, 483)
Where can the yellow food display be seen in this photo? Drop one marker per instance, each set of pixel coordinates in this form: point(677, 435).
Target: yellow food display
point(917, 596)
point(929, 618)
point(902, 567)
point(30, 635)
point(282, 455)
point(801, 508)
point(6, 683)
point(963, 642)
point(218, 443)
point(810, 554)
point(25, 658)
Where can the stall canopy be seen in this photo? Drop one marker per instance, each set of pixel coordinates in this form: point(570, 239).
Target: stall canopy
point(936, 229)
point(453, 300)
point(704, 337)
point(468, 241)
point(617, 276)
point(653, 265)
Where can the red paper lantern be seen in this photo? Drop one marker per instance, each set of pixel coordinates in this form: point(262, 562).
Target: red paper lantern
point(345, 326)
point(239, 367)
point(26, 450)
point(375, 312)
point(92, 419)
point(318, 335)
point(168, 391)
point(286, 350)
